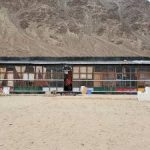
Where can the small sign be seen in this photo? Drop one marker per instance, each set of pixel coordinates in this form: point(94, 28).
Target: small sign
point(6, 90)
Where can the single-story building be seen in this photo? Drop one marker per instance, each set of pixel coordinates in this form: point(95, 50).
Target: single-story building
point(111, 74)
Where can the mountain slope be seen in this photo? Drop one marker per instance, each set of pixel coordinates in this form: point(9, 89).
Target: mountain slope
point(74, 28)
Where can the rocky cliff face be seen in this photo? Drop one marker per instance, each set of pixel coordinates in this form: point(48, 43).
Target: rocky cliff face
point(45, 27)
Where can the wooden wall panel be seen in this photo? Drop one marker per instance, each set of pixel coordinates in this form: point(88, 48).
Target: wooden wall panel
point(98, 76)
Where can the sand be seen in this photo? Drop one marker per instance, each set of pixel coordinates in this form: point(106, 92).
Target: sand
point(74, 123)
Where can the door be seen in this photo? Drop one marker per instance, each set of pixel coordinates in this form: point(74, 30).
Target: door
point(67, 78)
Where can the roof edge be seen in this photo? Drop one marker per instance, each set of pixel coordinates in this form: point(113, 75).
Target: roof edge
point(45, 59)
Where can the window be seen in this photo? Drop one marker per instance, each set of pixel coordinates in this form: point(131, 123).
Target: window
point(76, 76)
point(89, 76)
point(89, 69)
point(2, 74)
point(54, 72)
point(83, 72)
point(76, 69)
point(119, 69)
point(83, 76)
point(39, 72)
point(119, 76)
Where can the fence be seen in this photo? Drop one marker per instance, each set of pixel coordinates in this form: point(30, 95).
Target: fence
point(43, 85)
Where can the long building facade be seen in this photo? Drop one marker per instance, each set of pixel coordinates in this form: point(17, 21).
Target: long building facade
point(101, 75)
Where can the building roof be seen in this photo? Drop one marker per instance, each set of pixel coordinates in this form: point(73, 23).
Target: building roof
point(74, 60)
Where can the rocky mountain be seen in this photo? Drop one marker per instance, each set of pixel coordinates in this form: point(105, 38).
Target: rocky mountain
point(74, 27)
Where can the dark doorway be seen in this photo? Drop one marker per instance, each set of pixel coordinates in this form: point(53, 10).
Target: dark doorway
point(67, 78)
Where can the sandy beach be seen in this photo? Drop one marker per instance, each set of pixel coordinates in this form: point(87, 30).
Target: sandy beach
point(74, 123)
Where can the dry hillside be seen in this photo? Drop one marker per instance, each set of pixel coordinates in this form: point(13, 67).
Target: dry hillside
point(74, 28)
